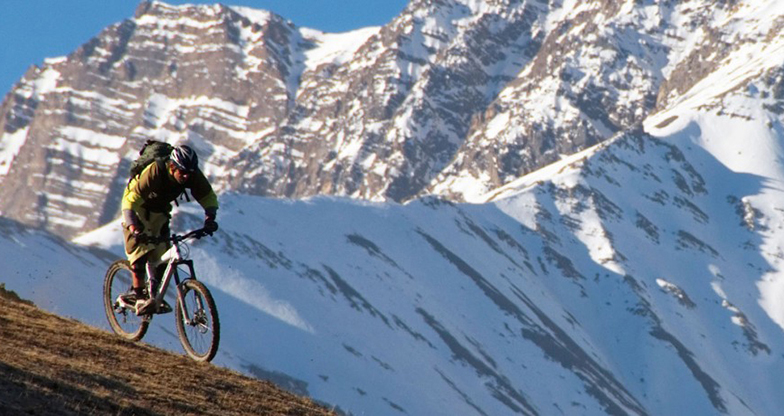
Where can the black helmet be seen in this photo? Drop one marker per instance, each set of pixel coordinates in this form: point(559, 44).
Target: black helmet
point(185, 158)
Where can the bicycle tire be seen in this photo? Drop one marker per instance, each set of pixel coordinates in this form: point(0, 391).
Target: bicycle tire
point(124, 321)
point(200, 339)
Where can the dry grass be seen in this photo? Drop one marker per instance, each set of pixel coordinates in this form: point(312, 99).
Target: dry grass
point(55, 366)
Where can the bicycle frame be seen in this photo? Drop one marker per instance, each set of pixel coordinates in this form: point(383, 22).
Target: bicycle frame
point(199, 334)
point(176, 259)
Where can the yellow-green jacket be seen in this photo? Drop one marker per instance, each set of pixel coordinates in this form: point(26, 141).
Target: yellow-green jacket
point(155, 189)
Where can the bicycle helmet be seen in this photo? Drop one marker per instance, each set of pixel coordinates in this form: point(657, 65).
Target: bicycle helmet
point(184, 158)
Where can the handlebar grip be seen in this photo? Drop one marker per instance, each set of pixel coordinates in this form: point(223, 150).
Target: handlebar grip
point(175, 238)
point(142, 238)
point(148, 239)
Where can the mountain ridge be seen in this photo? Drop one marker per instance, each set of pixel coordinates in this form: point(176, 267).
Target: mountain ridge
point(495, 295)
point(534, 282)
point(419, 106)
point(641, 275)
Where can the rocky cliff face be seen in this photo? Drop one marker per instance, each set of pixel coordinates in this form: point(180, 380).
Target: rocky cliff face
point(208, 75)
point(451, 97)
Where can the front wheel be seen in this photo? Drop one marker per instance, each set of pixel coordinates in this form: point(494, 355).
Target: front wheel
point(124, 321)
point(199, 330)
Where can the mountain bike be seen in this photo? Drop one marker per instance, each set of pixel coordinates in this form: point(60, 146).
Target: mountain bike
point(195, 313)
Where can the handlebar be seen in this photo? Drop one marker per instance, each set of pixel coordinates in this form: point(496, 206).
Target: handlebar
point(173, 238)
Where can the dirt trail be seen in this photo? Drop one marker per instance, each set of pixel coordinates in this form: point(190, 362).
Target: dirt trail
point(50, 365)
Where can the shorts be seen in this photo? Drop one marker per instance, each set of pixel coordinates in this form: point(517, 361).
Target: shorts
point(154, 223)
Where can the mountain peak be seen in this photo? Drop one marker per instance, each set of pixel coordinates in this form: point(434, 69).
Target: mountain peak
point(621, 163)
point(452, 98)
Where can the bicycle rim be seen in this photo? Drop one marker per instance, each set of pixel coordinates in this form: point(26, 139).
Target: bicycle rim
point(199, 336)
point(123, 321)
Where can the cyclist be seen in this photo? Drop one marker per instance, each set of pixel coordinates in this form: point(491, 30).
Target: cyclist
point(146, 208)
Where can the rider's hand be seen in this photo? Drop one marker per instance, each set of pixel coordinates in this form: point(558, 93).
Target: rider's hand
point(138, 234)
point(210, 225)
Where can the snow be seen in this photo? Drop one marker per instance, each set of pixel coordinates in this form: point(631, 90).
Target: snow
point(72, 142)
point(645, 273)
point(251, 292)
point(90, 138)
point(46, 82)
point(300, 285)
point(259, 17)
point(162, 24)
point(163, 123)
point(9, 148)
point(771, 288)
point(423, 278)
point(335, 48)
point(498, 125)
point(70, 201)
point(568, 10)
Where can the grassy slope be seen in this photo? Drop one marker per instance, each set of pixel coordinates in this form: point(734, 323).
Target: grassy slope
point(55, 366)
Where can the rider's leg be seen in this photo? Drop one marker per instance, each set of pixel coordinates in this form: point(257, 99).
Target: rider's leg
point(137, 276)
point(163, 306)
point(155, 265)
point(136, 292)
point(152, 264)
point(157, 226)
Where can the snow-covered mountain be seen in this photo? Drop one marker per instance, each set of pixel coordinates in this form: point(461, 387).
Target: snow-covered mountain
point(641, 276)
point(635, 269)
point(453, 98)
point(219, 78)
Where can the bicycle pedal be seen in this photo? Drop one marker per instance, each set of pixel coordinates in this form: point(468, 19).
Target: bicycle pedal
point(145, 307)
point(121, 304)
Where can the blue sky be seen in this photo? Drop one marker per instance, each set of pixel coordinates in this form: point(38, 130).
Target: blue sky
point(31, 30)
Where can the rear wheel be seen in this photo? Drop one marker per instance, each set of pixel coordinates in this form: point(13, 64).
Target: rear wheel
point(123, 320)
point(200, 332)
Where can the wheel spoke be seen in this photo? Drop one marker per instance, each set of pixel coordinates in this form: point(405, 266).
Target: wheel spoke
point(122, 320)
point(199, 331)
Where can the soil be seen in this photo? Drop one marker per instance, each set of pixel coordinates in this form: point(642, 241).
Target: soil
point(51, 365)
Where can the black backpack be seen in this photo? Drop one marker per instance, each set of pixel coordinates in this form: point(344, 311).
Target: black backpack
point(152, 151)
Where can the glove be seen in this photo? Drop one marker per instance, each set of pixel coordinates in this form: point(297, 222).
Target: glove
point(210, 225)
point(136, 230)
point(142, 238)
point(138, 234)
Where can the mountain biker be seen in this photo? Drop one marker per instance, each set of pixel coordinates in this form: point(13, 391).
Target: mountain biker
point(146, 208)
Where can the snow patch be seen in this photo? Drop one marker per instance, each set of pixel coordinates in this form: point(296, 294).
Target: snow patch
point(249, 291)
point(10, 144)
point(334, 48)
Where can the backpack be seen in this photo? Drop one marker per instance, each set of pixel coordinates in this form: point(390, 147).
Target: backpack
point(152, 151)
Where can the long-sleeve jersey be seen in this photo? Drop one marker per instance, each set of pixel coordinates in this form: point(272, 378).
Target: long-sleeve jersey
point(155, 189)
